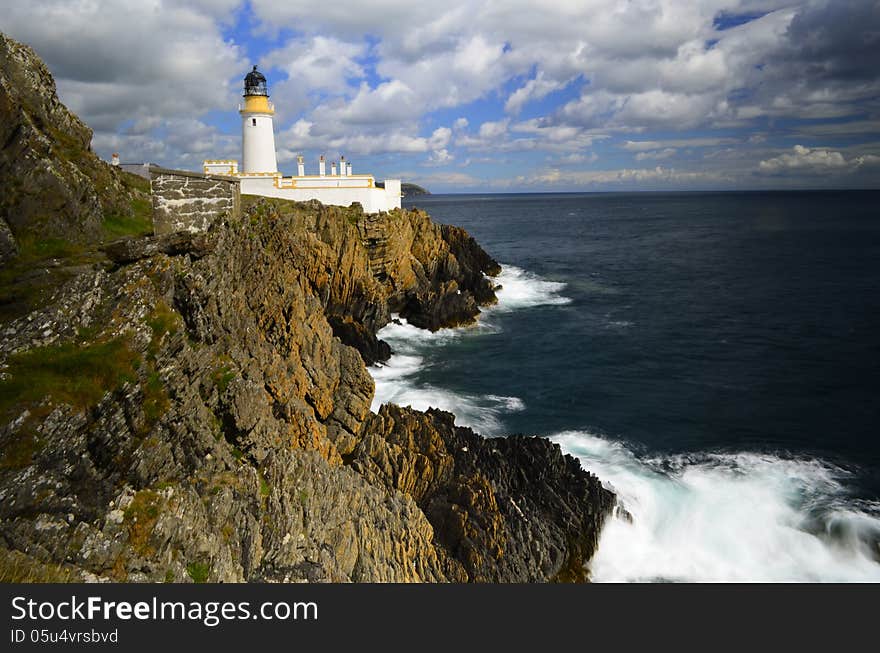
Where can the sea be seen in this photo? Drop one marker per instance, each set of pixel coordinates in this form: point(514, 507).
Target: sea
point(714, 358)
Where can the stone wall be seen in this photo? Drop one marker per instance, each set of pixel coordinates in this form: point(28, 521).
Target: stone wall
point(190, 201)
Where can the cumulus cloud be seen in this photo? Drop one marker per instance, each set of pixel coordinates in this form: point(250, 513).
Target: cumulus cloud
point(451, 181)
point(658, 175)
point(644, 146)
point(440, 157)
point(302, 136)
point(818, 160)
point(533, 89)
point(665, 153)
point(575, 159)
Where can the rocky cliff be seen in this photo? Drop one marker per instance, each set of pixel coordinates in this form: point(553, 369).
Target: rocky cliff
point(53, 185)
point(197, 406)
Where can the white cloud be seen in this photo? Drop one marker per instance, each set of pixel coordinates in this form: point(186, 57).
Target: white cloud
point(643, 146)
point(658, 176)
point(854, 127)
point(302, 136)
point(804, 157)
point(575, 158)
point(450, 180)
point(493, 129)
point(656, 154)
point(818, 160)
point(440, 157)
point(533, 89)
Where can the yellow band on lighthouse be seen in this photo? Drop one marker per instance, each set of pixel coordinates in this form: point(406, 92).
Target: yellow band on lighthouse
point(258, 104)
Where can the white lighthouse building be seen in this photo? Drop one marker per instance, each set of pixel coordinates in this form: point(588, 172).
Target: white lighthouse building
point(259, 168)
point(257, 131)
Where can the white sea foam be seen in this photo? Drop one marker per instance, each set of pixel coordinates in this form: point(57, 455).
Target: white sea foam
point(522, 289)
point(416, 349)
point(728, 517)
point(396, 383)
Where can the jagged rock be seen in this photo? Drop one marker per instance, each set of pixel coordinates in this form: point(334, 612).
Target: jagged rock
point(129, 250)
point(8, 246)
point(435, 274)
point(508, 509)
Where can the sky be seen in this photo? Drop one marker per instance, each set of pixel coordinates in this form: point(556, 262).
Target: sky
point(491, 96)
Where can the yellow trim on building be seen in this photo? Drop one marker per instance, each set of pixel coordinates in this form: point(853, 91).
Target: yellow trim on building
point(295, 186)
point(330, 177)
point(257, 104)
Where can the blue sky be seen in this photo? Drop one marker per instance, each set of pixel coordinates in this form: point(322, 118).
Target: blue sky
point(486, 96)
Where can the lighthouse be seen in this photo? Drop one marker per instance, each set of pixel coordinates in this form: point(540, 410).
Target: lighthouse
point(257, 131)
point(259, 175)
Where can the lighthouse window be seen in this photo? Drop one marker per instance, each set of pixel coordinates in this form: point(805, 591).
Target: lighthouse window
point(254, 121)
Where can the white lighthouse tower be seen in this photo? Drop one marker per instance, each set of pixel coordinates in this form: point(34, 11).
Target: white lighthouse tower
point(257, 132)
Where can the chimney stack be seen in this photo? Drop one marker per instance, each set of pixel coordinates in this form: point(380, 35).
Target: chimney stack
point(322, 170)
point(300, 166)
point(342, 168)
point(348, 170)
point(333, 169)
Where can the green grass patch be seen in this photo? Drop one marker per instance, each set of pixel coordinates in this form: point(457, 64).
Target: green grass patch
point(156, 401)
point(198, 571)
point(222, 377)
point(19, 449)
point(75, 374)
point(139, 223)
point(132, 181)
point(33, 248)
point(17, 567)
point(29, 279)
point(66, 146)
point(161, 321)
point(140, 518)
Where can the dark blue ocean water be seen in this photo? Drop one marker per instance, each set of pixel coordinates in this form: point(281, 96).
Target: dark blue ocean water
point(683, 326)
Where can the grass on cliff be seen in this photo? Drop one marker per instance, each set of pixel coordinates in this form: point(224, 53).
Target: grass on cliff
point(17, 567)
point(33, 249)
point(133, 182)
point(198, 571)
point(139, 223)
point(140, 518)
point(162, 321)
point(71, 373)
point(42, 266)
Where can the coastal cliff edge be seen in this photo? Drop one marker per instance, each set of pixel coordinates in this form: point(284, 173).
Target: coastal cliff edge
point(196, 407)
